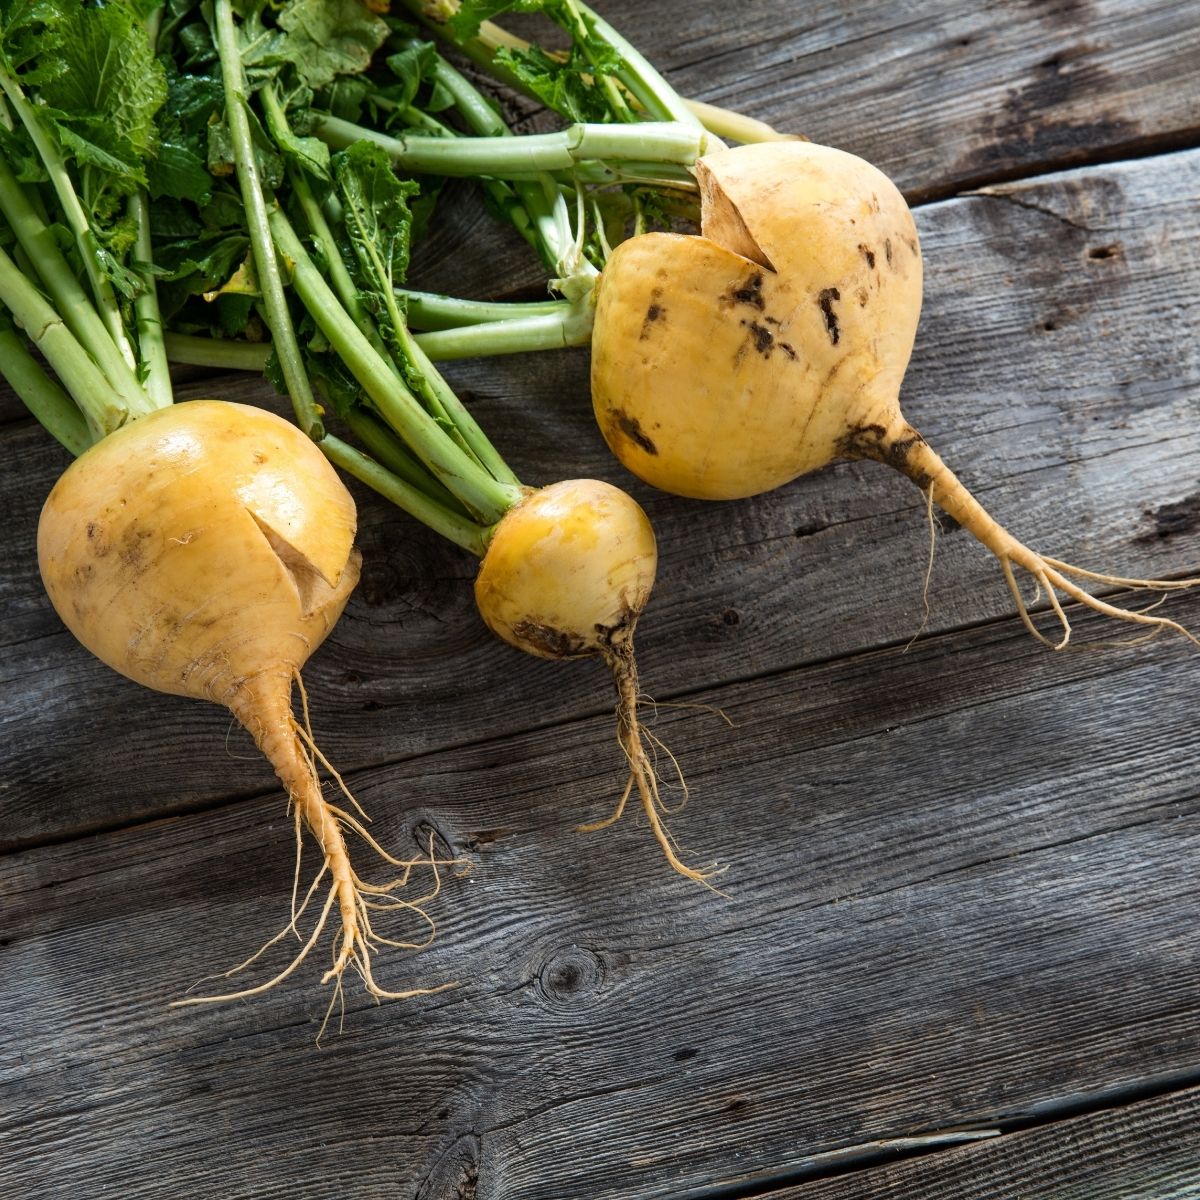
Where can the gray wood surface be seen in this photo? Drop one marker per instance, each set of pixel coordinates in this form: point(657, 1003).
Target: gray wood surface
point(960, 888)
point(1146, 1149)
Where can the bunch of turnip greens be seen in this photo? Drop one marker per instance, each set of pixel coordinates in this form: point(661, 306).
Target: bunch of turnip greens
point(329, 229)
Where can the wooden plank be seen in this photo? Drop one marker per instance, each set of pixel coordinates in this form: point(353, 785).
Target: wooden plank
point(957, 890)
point(941, 95)
point(1082, 437)
point(1150, 1148)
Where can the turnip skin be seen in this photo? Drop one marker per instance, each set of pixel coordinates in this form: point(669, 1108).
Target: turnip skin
point(155, 549)
point(727, 364)
point(206, 550)
point(568, 571)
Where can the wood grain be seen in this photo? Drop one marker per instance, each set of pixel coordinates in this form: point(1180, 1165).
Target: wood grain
point(1149, 1148)
point(1083, 437)
point(941, 95)
point(948, 905)
point(960, 895)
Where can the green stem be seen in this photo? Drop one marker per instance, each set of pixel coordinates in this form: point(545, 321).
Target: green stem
point(637, 75)
point(529, 205)
point(75, 305)
point(386, 448)
point(427, 310)
point(652, 91)
point(145, 306)
point(480, 116)
point(343, 284)
point(463, 532)
point(72, 211)
point(53, 408)
point(657, 144)
point(577, 27)
point(75, 367)
point(221, 353)
point(524, 203)
point(287, 348)
point(517, 336)
point(479, 491)
point(153, 352)
point(462, 339)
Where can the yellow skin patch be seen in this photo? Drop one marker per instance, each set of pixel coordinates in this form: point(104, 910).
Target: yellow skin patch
point(568, 569)
point(199, 546)
point(725, 365)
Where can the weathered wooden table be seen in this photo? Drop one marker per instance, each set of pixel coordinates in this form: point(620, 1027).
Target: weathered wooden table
point(959, 954)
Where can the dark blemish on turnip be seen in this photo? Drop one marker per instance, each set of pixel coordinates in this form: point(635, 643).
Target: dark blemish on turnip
point(911, 243)
point(764, 339)
point(869, 441)
point(617, 635)
point(554, 643)
point(749, 293)
point(771, 321)
point(825, 300)
point(887, 250)
point(787, 349)
point(868, 254)
point(862, 297)
point(631, 427)
point(654, 312)
point(91, 531)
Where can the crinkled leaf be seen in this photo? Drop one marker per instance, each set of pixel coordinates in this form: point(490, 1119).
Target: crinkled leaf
point(29, 33)
point(378, 219)
point(180, 168)
point(328, 38)
point(566, 86)
point(109, 91)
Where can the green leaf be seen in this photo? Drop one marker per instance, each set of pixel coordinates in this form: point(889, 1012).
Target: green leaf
point(109, 90)
point(412, 66)
point(29, 29)
point(465, 23)
point(377, 217)
point(377, 224)
point(328, 38)
point(179, 173)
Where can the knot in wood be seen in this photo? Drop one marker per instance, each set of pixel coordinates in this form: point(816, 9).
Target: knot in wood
point(570, 975)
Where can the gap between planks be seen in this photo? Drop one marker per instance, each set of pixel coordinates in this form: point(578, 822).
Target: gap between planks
point(850, 1160)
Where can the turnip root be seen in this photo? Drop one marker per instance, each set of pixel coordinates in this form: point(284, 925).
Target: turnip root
point(727, 364)
point(206, 550)
point(567, 573)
